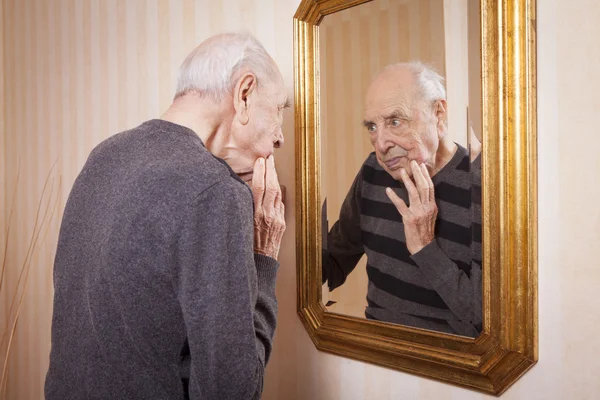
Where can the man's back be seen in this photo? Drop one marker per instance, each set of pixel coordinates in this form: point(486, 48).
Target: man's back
point(131, 272)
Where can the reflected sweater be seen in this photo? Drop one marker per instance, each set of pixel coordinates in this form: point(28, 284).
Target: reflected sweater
point(438, 288)
point(158, 292)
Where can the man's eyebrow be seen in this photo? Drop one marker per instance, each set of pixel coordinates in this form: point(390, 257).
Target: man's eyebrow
point(286, 103)
point(396, 114)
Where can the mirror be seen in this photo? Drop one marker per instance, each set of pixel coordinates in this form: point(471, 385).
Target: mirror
point(437, 277)
point(420, 60)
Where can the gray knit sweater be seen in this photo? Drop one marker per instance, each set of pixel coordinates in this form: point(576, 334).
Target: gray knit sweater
point(158, 292)
point(438, 288)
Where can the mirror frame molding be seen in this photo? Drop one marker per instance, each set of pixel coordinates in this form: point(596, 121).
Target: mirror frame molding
point(508, 345)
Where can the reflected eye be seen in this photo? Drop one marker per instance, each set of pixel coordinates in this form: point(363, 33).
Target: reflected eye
point(395, 122)
point(371, 127)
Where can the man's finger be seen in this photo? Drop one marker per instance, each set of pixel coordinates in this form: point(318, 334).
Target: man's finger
point(421, 181)
point(258, 182)
point(398, 202)
point(281, 207)
point(272, 181)
point(429, 183)
point(413, 194)
point(272, 191)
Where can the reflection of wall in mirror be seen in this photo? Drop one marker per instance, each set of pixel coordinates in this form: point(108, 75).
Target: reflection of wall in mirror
point(474, 46)
point(356, 44)
point(463, 68)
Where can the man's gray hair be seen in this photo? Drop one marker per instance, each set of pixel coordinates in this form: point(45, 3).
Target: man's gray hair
point(213, 67)
point(429, 83)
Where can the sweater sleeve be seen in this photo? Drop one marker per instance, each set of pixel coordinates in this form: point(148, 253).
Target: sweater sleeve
point(460, 292)
point(344, 247)
point(227, 295)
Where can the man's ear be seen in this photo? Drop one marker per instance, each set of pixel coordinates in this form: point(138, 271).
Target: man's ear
point(440, 111)
point(245, 86)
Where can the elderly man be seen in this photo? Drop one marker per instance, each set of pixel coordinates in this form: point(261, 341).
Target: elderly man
point(414, 209)
point(165, 273)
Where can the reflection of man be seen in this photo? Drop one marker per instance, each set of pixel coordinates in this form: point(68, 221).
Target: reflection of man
point(413, 209)
point(164, 276)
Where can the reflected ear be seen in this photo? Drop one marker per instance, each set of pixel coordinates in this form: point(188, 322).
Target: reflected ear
point(242, 98)
point(440, 110)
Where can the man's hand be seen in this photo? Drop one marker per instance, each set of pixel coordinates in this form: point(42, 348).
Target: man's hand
point(419, 218)
point(269, 220)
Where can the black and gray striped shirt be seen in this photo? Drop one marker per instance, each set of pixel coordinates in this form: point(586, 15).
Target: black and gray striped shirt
point(438, 288)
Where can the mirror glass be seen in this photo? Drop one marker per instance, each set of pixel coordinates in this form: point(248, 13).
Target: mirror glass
point(400, 108)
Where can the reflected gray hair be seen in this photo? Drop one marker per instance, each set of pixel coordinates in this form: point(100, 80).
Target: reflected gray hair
point(430, 84)
point(213, 67)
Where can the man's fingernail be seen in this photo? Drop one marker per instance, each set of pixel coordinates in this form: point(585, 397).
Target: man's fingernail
point(261, 160)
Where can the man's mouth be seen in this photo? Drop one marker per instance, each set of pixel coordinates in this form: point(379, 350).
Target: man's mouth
point(393, 163)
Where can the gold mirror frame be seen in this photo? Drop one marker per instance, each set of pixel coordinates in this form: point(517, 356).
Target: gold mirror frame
point(508, 346)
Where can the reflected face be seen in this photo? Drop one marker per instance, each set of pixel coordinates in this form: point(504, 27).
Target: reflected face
point(263, 132)
point(401, 126)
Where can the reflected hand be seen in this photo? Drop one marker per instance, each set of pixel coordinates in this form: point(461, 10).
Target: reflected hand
point(419, 218)
point(269, 220)
point(474, 145)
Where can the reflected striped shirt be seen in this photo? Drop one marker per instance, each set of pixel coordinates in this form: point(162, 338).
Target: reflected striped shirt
point(438, 288)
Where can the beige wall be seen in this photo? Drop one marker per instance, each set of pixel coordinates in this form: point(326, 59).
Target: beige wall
point(2, 137)
point(51, 111)
point(3, 296)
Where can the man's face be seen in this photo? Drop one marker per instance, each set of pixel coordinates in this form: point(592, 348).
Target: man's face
point(401, 126)
point(262, 134)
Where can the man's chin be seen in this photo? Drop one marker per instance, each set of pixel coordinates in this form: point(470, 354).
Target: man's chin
point(246, 176)
point(396, 173)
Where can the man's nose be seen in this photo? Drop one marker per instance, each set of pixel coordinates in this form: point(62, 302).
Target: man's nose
point(279, 140)
point(383, 143)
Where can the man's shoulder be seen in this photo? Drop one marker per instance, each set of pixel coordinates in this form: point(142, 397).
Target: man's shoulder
point(371, 161)
point(372, 173)
point(174, 160)
point(369, 167)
